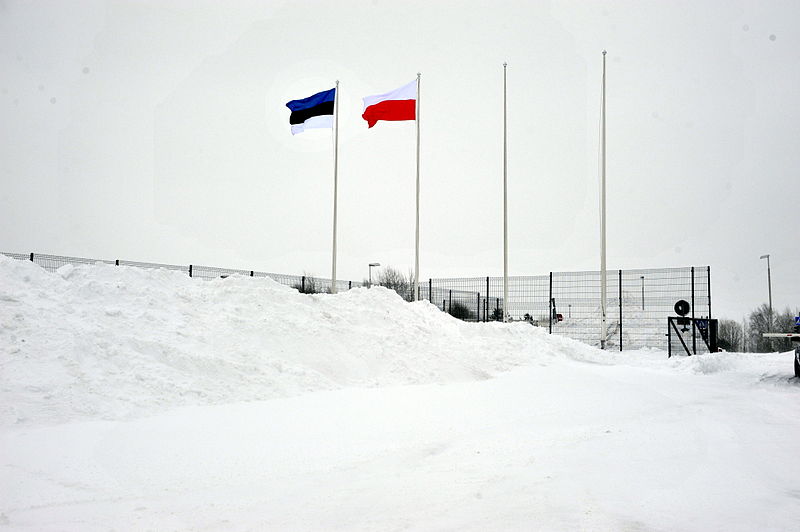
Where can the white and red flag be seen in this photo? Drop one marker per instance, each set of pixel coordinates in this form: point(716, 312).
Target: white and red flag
point(399, 104)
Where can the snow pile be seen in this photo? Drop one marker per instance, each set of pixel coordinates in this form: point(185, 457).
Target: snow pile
point(112, 342)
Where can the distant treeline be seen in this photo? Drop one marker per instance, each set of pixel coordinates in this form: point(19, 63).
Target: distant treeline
point(747, 336)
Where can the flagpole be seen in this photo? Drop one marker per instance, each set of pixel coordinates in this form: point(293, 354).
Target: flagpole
point(505, 200)
point(416, 255)
point(603, 209)
point(335, 181)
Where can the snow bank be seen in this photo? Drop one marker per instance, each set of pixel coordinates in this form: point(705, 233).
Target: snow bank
point(107, 342)
point(110, 342)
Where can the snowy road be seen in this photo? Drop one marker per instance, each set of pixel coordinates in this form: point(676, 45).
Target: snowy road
point(572, 446)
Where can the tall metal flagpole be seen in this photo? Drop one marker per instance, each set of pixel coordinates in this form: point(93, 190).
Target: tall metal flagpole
point(416, 255)
point(335, 180)
point(505, 201)
point(603, 210)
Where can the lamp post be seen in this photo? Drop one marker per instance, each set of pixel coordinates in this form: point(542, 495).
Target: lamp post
point(769, 285)
point(642, 277)
point(372, 265)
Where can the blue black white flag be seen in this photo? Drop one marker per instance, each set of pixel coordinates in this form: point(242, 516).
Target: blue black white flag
point(313, 112)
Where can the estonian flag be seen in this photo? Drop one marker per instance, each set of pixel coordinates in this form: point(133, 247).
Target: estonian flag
point(312, 112)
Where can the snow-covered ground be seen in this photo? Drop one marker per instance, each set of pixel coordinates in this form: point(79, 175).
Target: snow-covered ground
point(138, 399)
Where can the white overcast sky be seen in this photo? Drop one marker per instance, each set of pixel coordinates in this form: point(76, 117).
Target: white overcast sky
point(158, 131)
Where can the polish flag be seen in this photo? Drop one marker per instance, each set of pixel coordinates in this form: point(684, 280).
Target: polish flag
point(396, 105)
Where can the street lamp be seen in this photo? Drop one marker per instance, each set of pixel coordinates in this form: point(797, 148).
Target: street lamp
point(769, 284)
point(642, 276)
point(372, 265)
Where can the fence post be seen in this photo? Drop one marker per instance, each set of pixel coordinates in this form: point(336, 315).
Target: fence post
point(430, 289)
point(303, 284)
point(190, 270)
point(669, 337)
point(349, 285)
point(478, 315)
point(116, 262)
point(444, 305)
point(620, 310)
point(550, 306)
point(694, 334)
point(251, 273)
point(31, 256)
point(485, 317)
point(709, 291)
point(450, 301)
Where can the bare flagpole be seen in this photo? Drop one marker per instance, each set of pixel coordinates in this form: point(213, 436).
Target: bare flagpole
point(416, 255)
point(335, 180)
point(603, 209)
point(505, 200)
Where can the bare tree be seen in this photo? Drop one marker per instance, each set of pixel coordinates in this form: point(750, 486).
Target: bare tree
point(783, 322)
point(730, 336)
point(759, 323)
point(395, 280)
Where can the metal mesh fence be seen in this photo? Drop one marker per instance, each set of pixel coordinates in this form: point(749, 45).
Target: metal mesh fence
point(528, 297)
point(153, 266)
point(53, 262)
point(18, 256)
point(463, 304)
point(288, 280)
point(303, 283)
point(566, 303)
point(576, 296)
point(461, 298)
point(649, 297)
point(212, 272)
point(481, 298)
point(309, 284)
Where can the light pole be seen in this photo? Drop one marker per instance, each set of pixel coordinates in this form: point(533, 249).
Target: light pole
point(769, 284)
point(372, 265)
point(642, 276)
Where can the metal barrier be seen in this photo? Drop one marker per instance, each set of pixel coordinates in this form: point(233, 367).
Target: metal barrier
point(568, 303)
point(303, 283)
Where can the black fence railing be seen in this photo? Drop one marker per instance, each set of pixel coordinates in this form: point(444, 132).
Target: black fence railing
point(638, 302)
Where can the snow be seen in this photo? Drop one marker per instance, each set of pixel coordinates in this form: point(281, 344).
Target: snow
point(135, 399)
